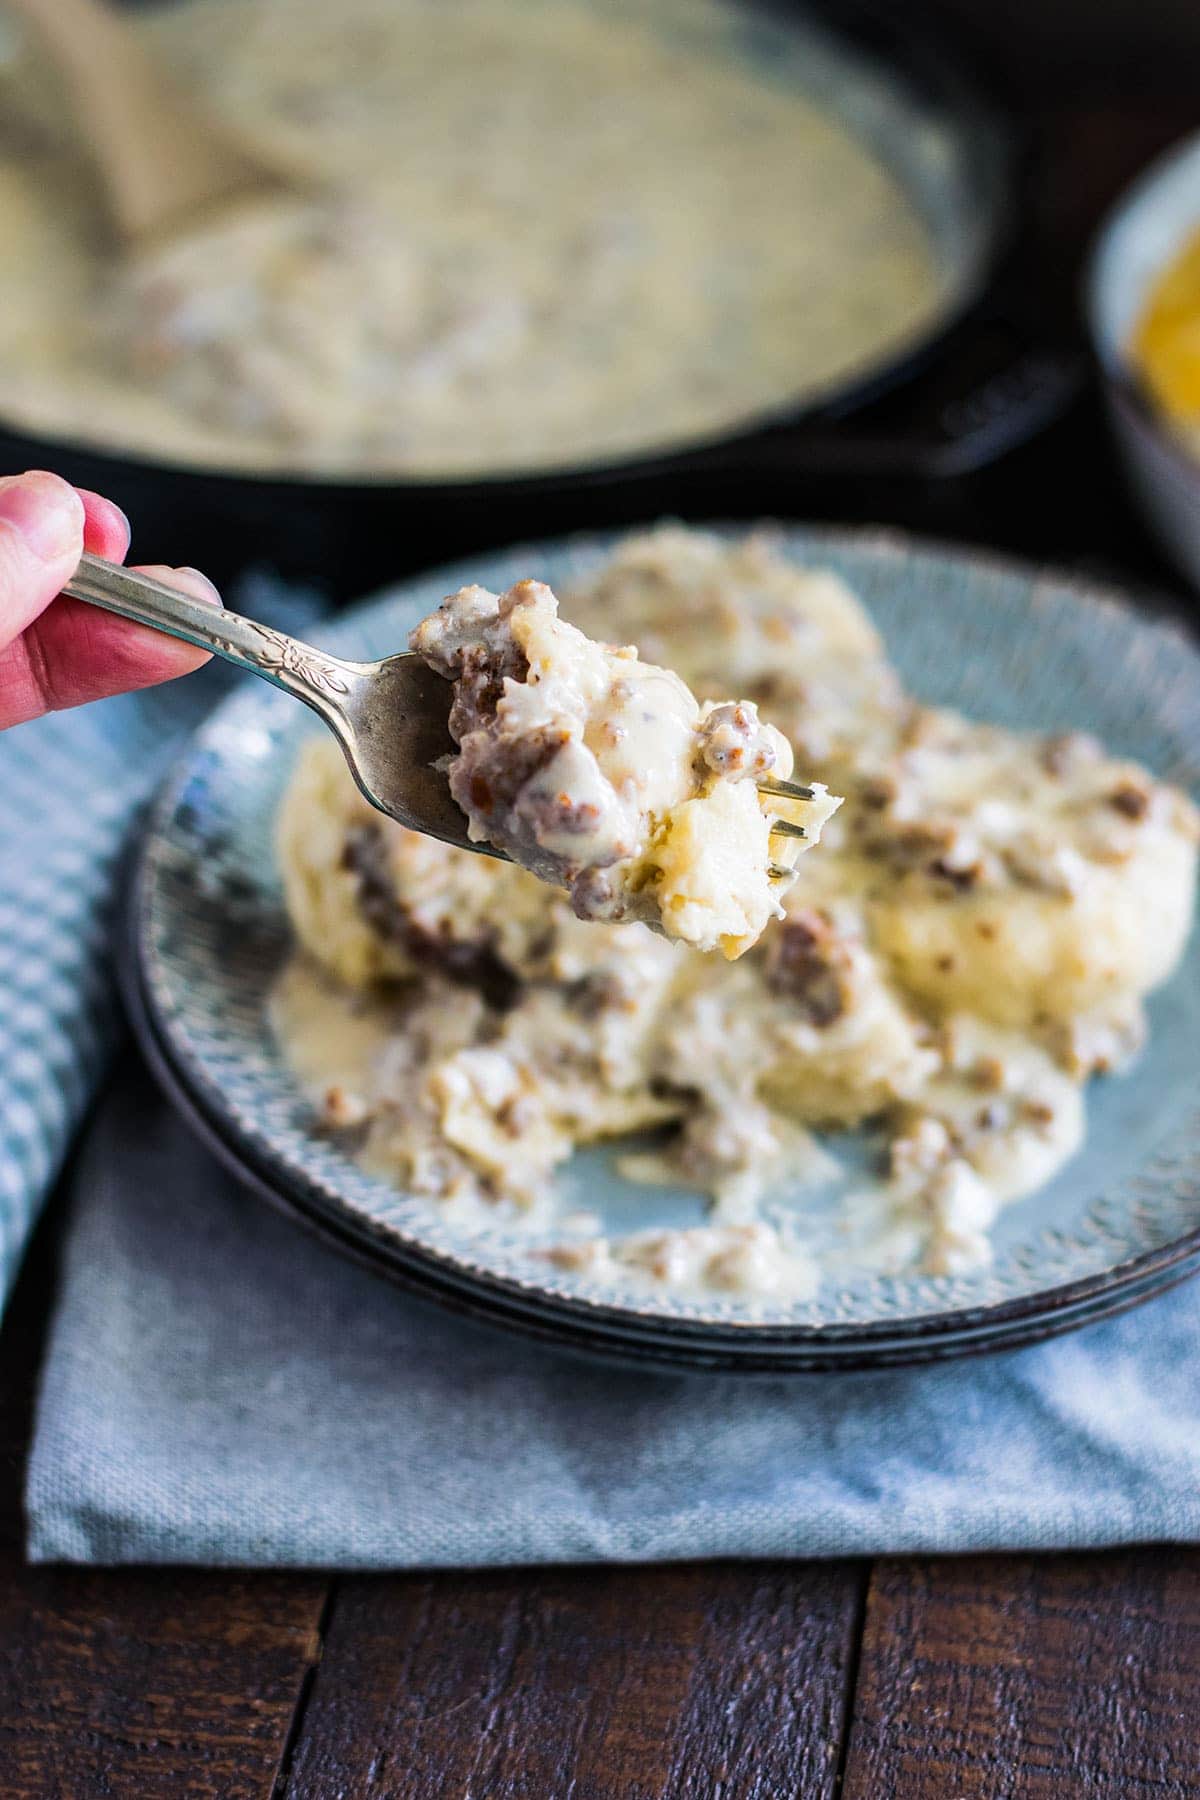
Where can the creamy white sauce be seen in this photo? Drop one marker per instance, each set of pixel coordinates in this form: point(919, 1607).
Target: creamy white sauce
point(750, 1259)
point(334, 1039)
point(557, 233)
point(967, 945)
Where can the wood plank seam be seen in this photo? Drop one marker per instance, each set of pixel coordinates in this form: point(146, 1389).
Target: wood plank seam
point(853, 1669)
point(304, 1691)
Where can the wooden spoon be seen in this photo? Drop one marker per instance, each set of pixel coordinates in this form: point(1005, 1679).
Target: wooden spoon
point(162, 161)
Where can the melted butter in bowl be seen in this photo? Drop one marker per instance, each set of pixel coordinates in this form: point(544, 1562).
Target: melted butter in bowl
point(559, 233)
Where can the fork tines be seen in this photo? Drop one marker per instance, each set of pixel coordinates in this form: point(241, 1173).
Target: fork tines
point(786, 790)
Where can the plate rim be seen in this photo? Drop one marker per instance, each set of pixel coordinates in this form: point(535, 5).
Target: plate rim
point(918, 1336)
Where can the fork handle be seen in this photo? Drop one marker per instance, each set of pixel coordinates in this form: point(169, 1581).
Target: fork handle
point(311, 675)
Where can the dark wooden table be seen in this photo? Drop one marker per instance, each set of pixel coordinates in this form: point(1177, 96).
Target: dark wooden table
point(1002, 1677)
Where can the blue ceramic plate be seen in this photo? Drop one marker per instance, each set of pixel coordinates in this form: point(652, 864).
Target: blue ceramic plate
point(1006, 643)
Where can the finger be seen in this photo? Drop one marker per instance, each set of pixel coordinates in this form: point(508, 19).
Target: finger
point(75, 653)
point(105, 527)
point(41, 538)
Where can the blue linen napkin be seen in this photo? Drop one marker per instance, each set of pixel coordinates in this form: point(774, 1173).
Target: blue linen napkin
point(70, 786)
point(221, 1389)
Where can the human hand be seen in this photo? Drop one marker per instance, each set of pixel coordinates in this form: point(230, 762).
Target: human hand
point(56, 652)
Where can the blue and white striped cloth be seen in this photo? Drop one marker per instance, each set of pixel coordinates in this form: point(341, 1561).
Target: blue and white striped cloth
point(70, 788)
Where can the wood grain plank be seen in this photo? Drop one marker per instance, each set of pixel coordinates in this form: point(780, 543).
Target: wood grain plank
point(722, 1679)
point(134, 1684)
point(149, 1682)
point(1030, 1678)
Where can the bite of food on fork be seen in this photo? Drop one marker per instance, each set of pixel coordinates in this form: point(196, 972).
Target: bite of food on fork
point(506, 730)
point(603, 774)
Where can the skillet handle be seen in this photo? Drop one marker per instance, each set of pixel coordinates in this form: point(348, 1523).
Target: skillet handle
point(1001, 391)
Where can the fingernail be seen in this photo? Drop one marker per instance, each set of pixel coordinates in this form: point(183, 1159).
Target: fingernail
point(199, 575)
point(45, 511)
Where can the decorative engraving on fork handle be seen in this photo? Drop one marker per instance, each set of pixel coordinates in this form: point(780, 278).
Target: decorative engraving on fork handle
point(320, 680)
point(277, 654)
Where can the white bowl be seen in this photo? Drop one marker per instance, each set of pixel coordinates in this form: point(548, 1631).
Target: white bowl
point(1142, 234)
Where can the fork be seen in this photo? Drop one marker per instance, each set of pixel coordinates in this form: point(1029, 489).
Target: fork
point(390, 717)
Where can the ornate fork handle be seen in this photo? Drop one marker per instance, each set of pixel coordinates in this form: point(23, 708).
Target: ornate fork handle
point(312, 675)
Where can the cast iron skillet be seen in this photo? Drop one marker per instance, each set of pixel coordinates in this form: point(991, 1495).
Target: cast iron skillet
point(988, 385)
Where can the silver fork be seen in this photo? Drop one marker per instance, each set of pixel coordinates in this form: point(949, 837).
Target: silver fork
point(389, 717)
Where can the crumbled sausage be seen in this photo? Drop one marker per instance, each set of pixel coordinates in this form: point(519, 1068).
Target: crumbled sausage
point(470, 962)
point(988, 1073)
point(342, 1109)
point(960, 877)
point(733, 743)
point(878, 792)
point(806, 963)
point(1131, 798)
point(1063, 751)
point(479, 688)
point(489, 784)
point(912, 843)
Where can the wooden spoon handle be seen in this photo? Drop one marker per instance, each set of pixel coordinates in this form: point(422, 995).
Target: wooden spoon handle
point(159, 158)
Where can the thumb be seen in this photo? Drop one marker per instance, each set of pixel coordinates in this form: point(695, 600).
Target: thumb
point(41, 539)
